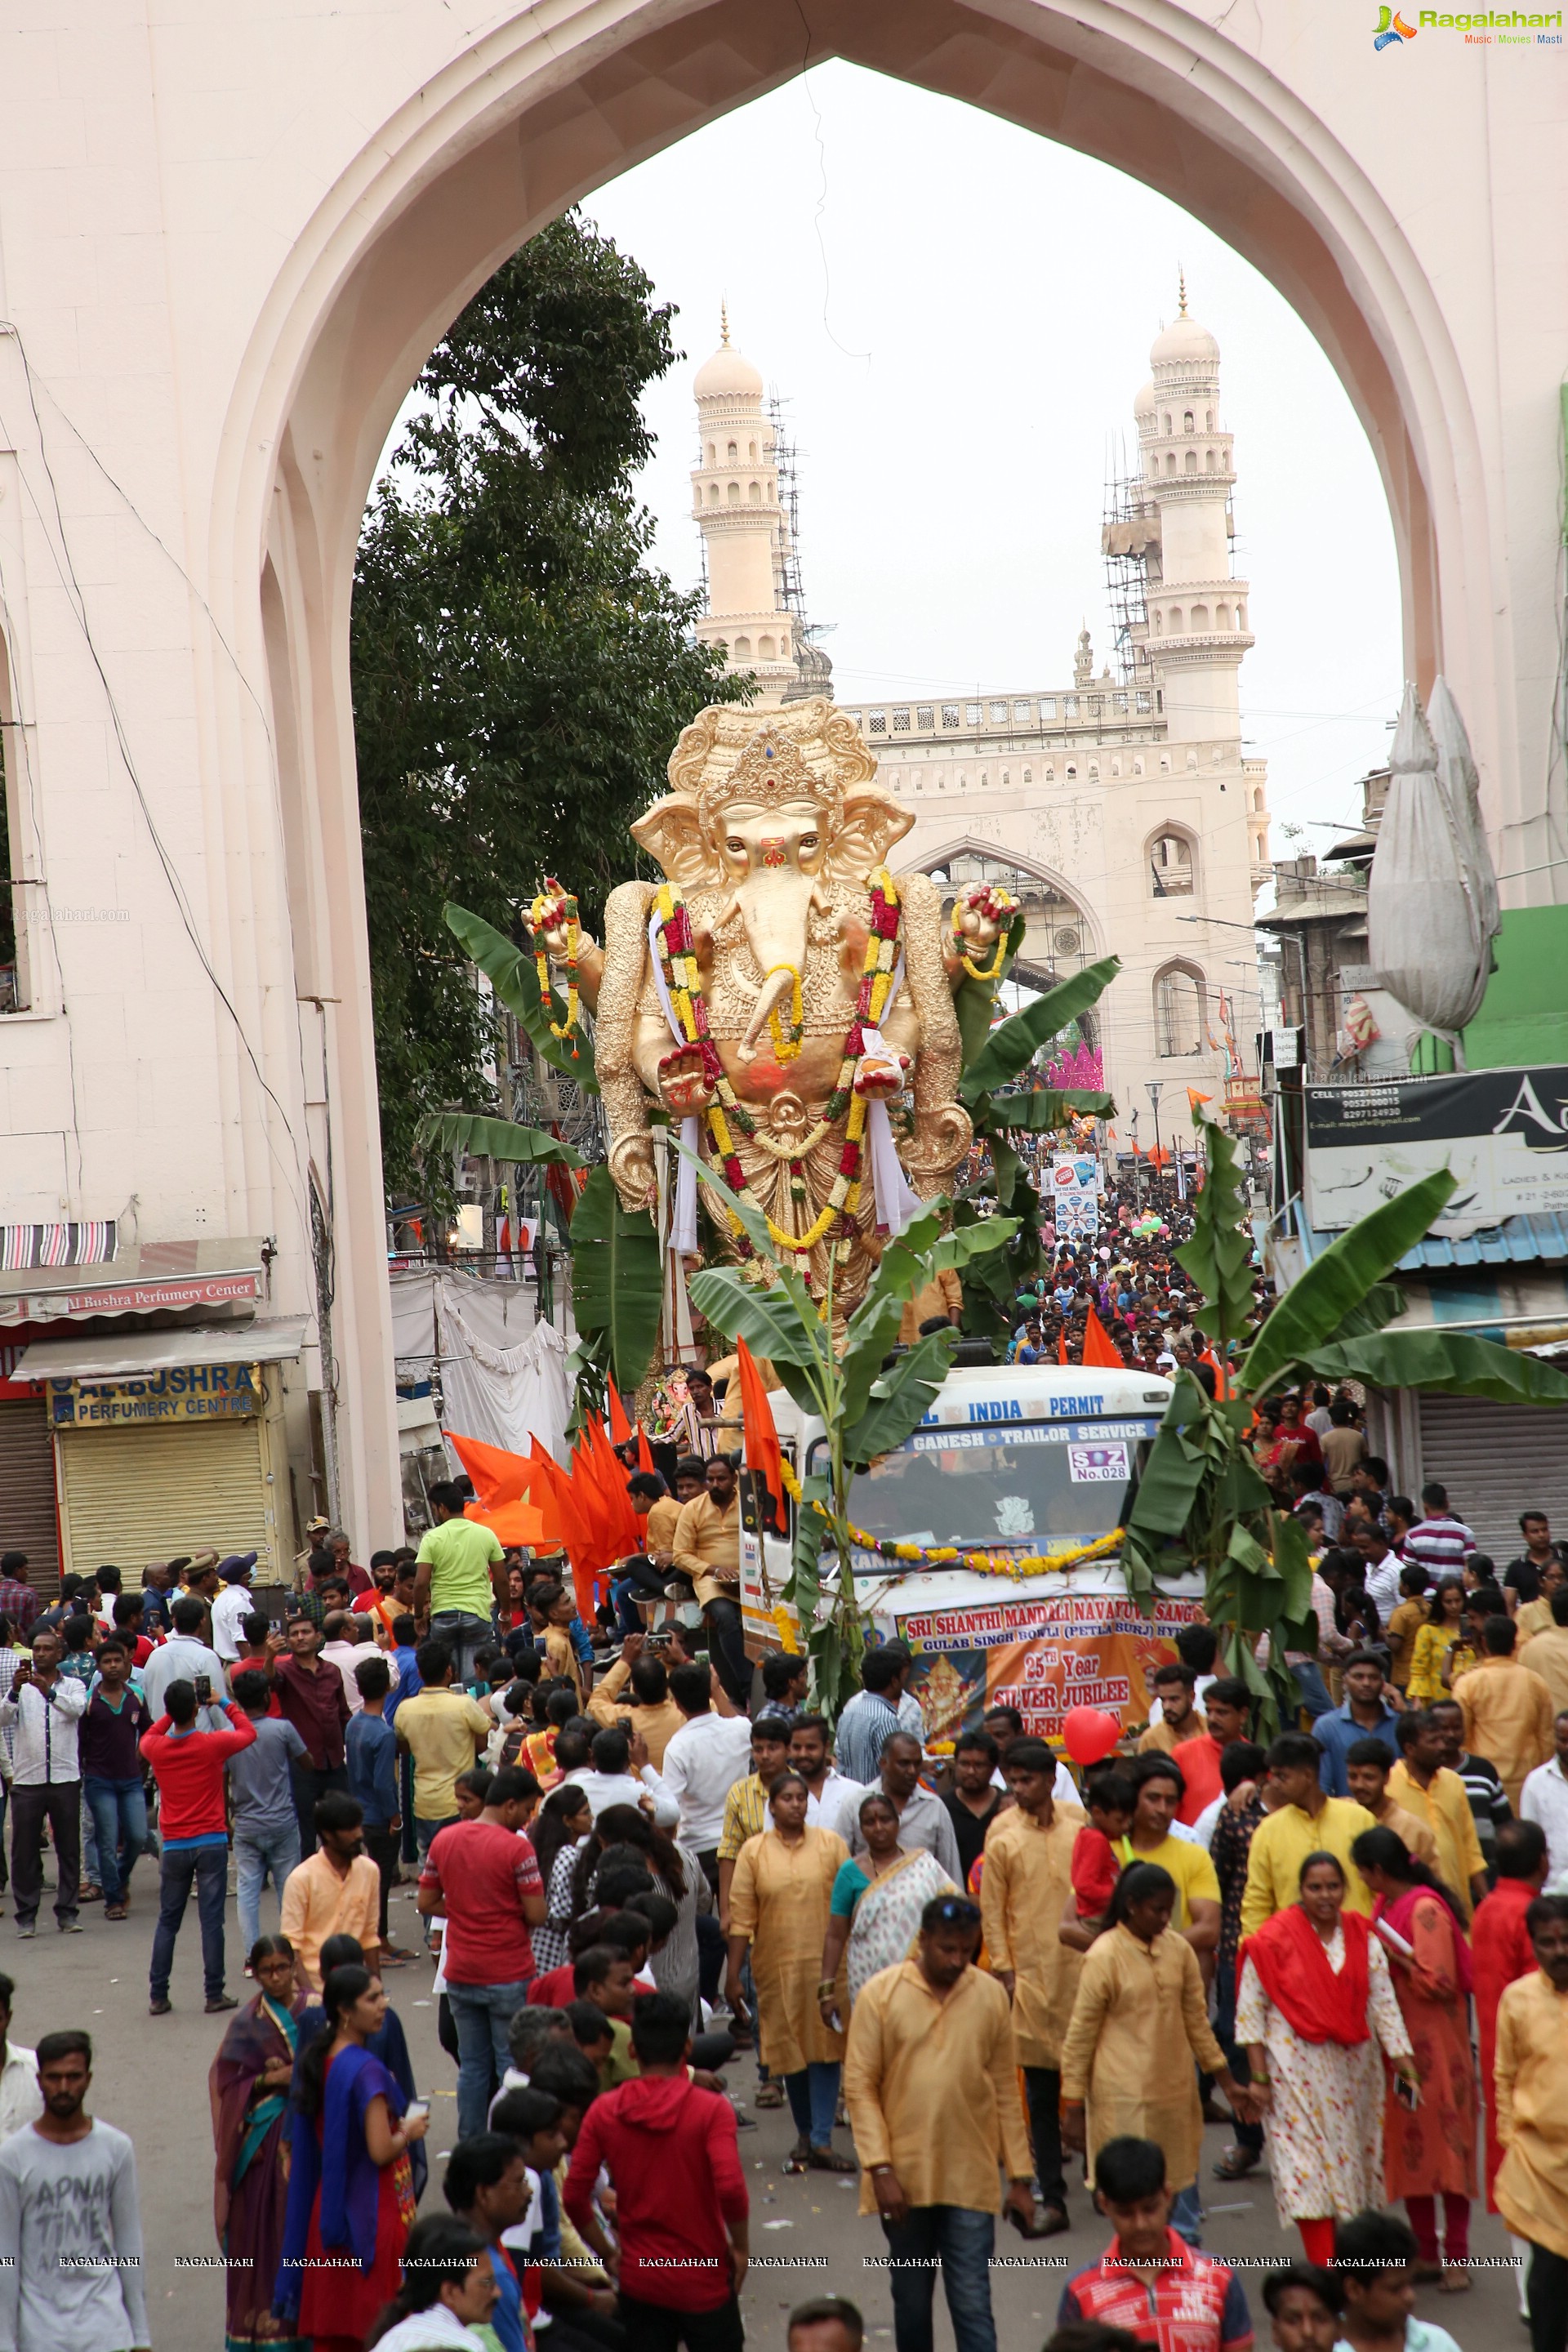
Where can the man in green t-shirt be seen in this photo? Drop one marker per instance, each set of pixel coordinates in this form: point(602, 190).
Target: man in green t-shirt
point(458, 1574)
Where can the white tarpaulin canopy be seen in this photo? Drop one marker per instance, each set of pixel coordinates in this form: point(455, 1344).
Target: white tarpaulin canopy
point(1432, 898)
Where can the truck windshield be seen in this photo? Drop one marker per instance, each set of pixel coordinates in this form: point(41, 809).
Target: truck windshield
point(1037, 1487)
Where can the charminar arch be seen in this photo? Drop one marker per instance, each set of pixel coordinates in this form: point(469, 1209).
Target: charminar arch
point(228, 239)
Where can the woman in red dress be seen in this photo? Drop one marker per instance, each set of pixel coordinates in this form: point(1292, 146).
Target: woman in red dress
point(1429, 2150)
point(349, 2215)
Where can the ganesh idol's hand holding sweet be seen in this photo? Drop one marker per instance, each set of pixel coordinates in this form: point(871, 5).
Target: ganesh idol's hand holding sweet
point(980, 919)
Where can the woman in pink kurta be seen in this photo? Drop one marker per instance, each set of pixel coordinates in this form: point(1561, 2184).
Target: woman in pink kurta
point(1430, 2150)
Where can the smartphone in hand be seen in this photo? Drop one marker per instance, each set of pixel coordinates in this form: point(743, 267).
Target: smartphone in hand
point(204, 1686)
point(1407, 2093)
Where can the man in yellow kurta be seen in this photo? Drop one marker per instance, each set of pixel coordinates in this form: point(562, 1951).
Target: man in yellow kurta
point(1307, 1822)
point(1507, 1710)
point(933, 2092)
point(1422, 1783)
point(1532, 2088)
point(707, 1549)
point(778, 1905)
point(1025, 1887)
point(1140, 2020)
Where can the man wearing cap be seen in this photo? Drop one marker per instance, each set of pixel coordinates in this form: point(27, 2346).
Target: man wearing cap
point(233, 1605)
point(316, 1534)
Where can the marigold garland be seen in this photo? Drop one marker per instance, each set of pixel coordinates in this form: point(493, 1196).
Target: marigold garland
point(980, 1564)
point(679, 960)
point(554, 901)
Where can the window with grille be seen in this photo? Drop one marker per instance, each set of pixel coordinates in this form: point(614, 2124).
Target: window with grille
point(901, 722)
point(950, 714)
point(924, 718)
point(877, 723)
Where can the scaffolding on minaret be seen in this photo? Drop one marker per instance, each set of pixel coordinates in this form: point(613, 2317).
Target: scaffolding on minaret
point(1130, 541)
point(812, 664)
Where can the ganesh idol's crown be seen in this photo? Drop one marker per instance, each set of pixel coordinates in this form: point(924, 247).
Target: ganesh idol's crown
point(729, 757)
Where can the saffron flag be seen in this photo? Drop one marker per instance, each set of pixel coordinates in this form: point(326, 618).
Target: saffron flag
point(513, 1523)
point(1062, 1355)
point(645, 1451)
point(1194, 1098)
point(1097, 1346)
point(763, 1459)
point(620, 1427)
point(498, 1477)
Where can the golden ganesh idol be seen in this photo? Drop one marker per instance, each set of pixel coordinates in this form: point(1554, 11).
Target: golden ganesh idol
point(780, 988)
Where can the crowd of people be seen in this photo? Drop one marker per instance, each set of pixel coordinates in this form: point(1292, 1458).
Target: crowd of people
point(662, 1893)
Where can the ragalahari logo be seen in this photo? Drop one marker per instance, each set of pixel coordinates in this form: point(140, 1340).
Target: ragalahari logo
point(1393, 31)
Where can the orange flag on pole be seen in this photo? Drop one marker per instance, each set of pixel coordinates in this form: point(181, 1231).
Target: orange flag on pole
point(1194, 1098)
point(573, 1536)
point(763, 1459)
point(626, 1534)
point(1097, 1345)
point(645, 1451)
point(498, 1477)
point(620, 1427)
point(1062, 1355)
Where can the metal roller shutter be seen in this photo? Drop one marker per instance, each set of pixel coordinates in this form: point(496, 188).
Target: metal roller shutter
point(27, 1492)
point(134, 1494)
point(1497, 1460)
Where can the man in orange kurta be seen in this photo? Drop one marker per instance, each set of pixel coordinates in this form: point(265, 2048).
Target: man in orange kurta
point(1500, 1953)
point(1507, 1709)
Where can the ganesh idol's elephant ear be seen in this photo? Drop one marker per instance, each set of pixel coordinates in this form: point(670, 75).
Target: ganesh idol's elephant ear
point(868, 825)
point(671, 832)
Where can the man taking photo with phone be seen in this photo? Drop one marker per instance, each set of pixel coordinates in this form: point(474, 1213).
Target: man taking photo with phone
point(188, 1764)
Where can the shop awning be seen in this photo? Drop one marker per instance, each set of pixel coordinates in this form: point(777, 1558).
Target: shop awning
point(148, 1278)
point(136, 1352)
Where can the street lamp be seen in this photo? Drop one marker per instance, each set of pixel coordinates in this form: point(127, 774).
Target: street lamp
point(1152, 1088)
point(1137, 1178)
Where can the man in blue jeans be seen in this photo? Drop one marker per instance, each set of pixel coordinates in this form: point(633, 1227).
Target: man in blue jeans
point(117, 1714)
point(932, 2085)
point(188, 1766)
point(481, 1877)
point(261, 1794)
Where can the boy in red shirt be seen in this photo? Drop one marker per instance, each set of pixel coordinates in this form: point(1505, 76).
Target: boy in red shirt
point(1101, 1849)
point(681, 2207)
point(1149, 2280)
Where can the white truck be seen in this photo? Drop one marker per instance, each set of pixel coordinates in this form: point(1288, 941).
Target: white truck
point(1018, 1461)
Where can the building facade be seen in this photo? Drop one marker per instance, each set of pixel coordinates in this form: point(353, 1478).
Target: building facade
point(1117, 808)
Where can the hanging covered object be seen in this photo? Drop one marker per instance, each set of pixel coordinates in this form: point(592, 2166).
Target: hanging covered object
point(1432, 903)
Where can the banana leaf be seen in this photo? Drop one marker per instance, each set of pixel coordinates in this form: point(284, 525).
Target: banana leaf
point(511, 973)
point(1013, 1046)
point(1314, 1308)
point(1040, 1111)
point(1219, 1254)
point(770, 1325)
point(975, 1001)
point(901, 1399)
point(919, 1254)
point(498, 1138)
point(617, 1279)
point(1445, 1363)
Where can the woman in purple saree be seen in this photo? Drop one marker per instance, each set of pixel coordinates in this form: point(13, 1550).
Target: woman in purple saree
point(248, 2087)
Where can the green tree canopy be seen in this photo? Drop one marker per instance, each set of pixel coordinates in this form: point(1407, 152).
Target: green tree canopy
point(521, 670)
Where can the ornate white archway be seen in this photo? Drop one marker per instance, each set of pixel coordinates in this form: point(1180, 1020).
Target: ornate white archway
point(290, 210)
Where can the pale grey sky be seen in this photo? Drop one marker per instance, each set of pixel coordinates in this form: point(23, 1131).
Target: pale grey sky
point(958, 315)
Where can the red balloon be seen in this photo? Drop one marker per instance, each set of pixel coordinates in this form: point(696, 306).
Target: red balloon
point(1089, 1735)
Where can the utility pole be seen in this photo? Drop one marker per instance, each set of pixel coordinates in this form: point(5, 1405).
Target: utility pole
point(1137, 1177)
point(1152, 1088)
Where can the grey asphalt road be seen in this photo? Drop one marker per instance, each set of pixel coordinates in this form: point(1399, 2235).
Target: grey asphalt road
point(150, 2077)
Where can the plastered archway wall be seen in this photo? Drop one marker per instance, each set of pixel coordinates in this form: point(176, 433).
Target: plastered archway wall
point(1242, 121)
